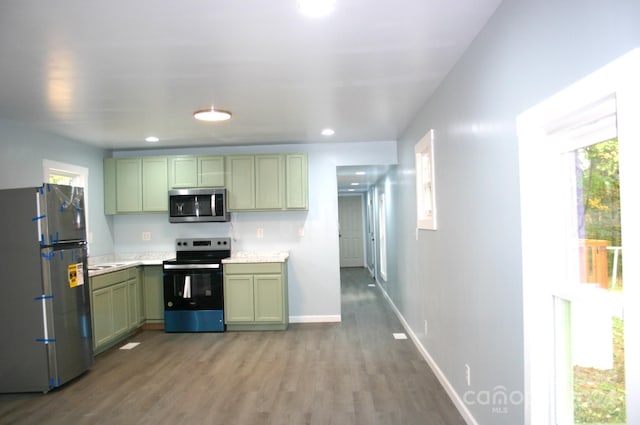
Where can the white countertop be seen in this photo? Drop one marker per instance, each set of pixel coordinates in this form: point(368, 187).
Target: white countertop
point(257, 257)
point(116, 262)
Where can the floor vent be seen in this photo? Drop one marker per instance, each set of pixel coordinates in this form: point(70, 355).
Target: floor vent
point(130, 346)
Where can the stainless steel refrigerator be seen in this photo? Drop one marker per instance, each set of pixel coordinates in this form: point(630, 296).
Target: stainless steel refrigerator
point(45, 315)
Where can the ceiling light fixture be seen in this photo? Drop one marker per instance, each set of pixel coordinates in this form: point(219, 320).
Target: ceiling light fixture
point(328, 132)
point(316, 8)
point(152, 139)
point(212, 114)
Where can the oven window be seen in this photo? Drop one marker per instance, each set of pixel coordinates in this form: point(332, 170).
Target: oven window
point(193, 290)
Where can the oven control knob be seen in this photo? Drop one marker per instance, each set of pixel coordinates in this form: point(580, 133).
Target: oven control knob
point(170, 303)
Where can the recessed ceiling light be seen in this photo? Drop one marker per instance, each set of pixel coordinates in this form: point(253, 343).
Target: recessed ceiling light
point(355, 184)
point(316, 8)
point(360, 173)
point(351, 190)
point(152, 139)
point(328, 132)
point(212, 114)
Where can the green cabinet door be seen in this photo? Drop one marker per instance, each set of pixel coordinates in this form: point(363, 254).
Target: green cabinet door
point(241, 187)
point(297, 182)
point(120, 308)
point(268, 301)
point(128, 185)
point(134, 303)
point(102, 316)
point(154, 184)
point(269, 182)
point(210, 171)
point(238, 298)
point(183, 172)
point(256, 296)
point(109, 185)
point(153, 294)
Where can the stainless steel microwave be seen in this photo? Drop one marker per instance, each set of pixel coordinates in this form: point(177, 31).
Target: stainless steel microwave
point(198, 205)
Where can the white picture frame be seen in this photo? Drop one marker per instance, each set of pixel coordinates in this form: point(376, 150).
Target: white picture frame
point(425, 183)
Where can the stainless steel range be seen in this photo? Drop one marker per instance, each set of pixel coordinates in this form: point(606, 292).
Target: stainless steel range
point(193, 285)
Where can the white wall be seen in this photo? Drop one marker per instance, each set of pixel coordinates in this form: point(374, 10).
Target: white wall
point(314, 263)
point(465, 278)
point(22, 150)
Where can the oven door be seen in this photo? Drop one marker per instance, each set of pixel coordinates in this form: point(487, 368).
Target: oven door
point(192, 286)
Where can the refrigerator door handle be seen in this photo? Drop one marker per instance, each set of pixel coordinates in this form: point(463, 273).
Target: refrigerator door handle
point(45, 321)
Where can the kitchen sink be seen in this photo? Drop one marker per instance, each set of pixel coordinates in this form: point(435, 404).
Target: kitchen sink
point(106, 266)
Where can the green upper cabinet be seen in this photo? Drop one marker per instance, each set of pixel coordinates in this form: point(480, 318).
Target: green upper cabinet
point(196, 171)
point(183, 172)
point(210, 171)
point(154, 184)
point(109, 176)
point(135, 185)
point(267, 182)
point(241, 185)
point(297, 182)
point(128, 185)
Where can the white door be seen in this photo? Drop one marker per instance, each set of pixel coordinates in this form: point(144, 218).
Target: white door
point(351, 231)
point(582, 344)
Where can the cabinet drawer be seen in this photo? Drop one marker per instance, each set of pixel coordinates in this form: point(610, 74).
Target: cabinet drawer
point(252, 268)
point(108, 279)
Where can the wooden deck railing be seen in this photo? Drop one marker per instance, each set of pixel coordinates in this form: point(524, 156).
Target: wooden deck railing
point(594, 267)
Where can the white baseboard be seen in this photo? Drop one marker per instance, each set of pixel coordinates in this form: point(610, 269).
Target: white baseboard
point(316, 319)
point(455, 397)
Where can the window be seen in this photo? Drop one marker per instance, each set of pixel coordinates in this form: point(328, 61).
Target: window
point(382, 217)
point(425, 183)
point(61, 173)
point(71, 175)
point(578, 219)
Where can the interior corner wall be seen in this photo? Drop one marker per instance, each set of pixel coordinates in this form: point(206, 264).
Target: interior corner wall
point(465, 279)
point(22, 150)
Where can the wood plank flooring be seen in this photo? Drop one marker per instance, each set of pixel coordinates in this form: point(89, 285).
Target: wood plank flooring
point(352, 372)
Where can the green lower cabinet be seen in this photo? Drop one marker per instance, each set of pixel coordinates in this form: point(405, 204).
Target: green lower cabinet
point(120, 309)
point(153, 294)
point(256, 296)
point(102, 316)
point(116, 307)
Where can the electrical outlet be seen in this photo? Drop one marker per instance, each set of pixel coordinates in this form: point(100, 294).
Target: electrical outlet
point(301, 232)
point(467, 374)
point(260, 233)
point(426, 328)
point(146, 236)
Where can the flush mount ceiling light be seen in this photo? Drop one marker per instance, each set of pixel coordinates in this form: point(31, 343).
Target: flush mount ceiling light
point(212, 114)
point(152, 139)
point(316, 8)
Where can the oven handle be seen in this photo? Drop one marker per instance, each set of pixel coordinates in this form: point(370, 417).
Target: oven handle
point(190, 266)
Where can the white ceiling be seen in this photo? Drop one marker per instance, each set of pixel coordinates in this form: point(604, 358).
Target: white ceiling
point(111, 73)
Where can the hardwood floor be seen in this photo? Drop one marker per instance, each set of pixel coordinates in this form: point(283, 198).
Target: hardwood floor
point(352, 372)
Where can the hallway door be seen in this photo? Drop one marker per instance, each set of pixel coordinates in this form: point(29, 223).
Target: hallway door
point(351, 231)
